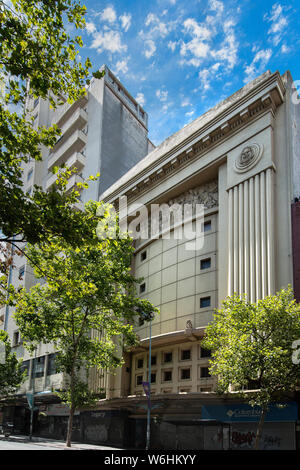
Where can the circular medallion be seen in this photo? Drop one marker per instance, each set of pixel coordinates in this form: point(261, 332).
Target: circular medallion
point(248, 158)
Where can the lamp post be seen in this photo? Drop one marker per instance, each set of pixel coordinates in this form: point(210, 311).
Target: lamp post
point(149, 391)
point(32, 401)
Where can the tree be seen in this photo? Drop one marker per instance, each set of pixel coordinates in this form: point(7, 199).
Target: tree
point(11, 375)
point(88, 289)
point(38, 60)
point(253, 343)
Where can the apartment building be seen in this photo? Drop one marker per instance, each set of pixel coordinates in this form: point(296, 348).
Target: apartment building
point(105, 132)
point(240, 161)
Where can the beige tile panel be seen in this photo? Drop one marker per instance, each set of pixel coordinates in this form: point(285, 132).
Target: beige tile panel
point(186, 268)
point(206, 282)
point(155, 264)
point(186, 306)
point(169, 257)
point(167, 326)
point(169, 275)
point(202, 319)
point(168, 293)
point(186, 287)
point(155, 248)
point(168, 311)
point(154, 281)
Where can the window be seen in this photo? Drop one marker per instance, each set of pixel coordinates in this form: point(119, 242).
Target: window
point(36, 102)
point(205, 263)
point(205, 302)
point(167, 375)
point(21, 273)
point(38, 367)
point(205, 352)
point(143, 255)
point(153, 360)
point(29, 175)
point(153, 378)
point(185, 374)
point(185, 354)
point(168, 357)
point(205, 372)
point(140, 363)
point(139, 379)
point(16, 338)
point(51, 364)
point(207, 226)
point(142, 288)
point(25, 367)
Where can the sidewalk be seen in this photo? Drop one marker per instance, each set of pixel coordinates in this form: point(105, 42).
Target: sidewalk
point(54, 443)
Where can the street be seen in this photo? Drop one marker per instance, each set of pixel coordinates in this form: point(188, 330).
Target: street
point(8, 445)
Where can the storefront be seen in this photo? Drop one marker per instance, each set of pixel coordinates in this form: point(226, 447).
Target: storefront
point(239, 425)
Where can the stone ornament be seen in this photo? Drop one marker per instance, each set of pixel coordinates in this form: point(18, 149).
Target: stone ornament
point(206, 194)
point(248, 158)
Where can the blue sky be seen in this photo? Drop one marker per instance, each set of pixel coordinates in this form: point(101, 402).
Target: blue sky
point(179, 58)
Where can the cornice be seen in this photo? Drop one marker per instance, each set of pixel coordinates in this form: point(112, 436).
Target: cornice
point(266, 96)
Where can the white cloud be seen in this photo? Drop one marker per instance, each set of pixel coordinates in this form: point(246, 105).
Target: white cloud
point(108, 14)
point(172, 45)
point(285, 49)
point(217, 6)
point(258, 64)
point(159, 28)
point(185, 102)
point(278, 22)
point(189, 113)
point(140, 98)
point(126, 21)
point(121, 66)
point(108, 41)
point(150, 48)
point(162, 95)
point(90, 27)
point(200, 31)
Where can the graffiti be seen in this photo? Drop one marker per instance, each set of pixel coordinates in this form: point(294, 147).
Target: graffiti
point(241, 438)
point(271, 442)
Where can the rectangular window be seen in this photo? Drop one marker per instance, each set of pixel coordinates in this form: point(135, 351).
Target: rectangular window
point(16, 338)
point(142, 288)
point(205, 372)
point(205, 263)
point(51, 370)
point(167, 375)
point(168, 357)
point(140, 363)
point(25, 367)
point(205, 302)
point(207, 226)
point(29, 175)
point(185, 354)
point(153, 378)
point(205, 352)
point(38, 367)
point(153, 360)
point(143, 255)
point(21, 273)
point(139, 379)
point(185, 374)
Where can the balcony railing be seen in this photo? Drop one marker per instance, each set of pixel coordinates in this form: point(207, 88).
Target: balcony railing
point(75, 161)
point(66, 110)
point(75, 122)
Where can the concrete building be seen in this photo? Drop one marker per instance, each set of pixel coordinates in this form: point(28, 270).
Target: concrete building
point(241, 160)
point(104, 132)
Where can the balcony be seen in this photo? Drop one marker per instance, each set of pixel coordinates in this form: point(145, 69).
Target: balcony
point(75, 122)
point(73, 144)
point(73, 181)
point(75, 161)
point(63, 113)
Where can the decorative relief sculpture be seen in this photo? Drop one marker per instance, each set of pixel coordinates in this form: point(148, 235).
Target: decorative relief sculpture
point(248, 158)
point(206, 194)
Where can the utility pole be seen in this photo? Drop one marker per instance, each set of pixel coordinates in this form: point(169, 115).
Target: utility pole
point(32, 401)
point(149, 396)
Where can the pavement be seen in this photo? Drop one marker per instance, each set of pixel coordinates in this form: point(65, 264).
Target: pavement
point(41, 441)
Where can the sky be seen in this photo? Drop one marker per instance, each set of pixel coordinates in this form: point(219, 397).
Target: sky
point(180, 58)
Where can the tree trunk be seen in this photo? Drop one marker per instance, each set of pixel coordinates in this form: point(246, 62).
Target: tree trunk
point(70, 425)
point(260, 427)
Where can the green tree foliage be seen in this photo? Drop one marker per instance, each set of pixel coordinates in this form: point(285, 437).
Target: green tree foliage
point(88, 289)
point(11, 375)
point(253, 343)
point(38, 60)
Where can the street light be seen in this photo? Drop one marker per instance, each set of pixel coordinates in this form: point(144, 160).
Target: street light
point(147, 385)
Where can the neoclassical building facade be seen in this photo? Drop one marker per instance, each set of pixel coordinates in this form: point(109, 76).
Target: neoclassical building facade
point(241, 162)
